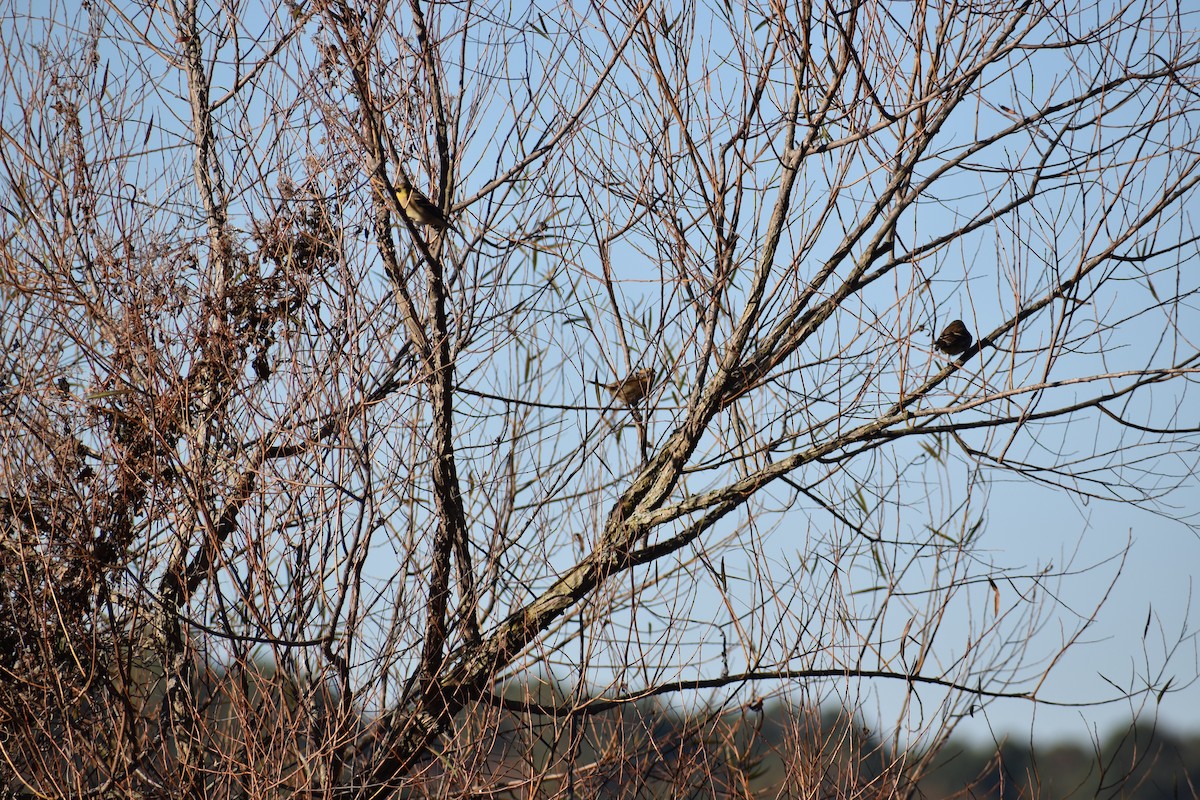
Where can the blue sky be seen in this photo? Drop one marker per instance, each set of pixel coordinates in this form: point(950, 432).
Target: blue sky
point(1145, 629)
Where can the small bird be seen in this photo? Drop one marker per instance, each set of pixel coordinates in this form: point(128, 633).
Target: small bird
point(633, 388)
point(418, 207)
point(955, 338)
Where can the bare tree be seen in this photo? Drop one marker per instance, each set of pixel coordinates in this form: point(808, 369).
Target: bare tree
point(308, 485)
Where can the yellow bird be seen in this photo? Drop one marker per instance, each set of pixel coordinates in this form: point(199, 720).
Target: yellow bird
point(417, 207)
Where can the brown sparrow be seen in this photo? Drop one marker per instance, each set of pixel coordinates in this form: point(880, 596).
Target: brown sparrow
point(633, 388)
point(955, 338)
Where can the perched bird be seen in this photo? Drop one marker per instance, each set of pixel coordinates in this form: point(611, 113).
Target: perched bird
point(418, 207)
point(955, 338)
point(633, 388)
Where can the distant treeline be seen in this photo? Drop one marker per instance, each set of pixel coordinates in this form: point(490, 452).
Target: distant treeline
point(782, 750)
